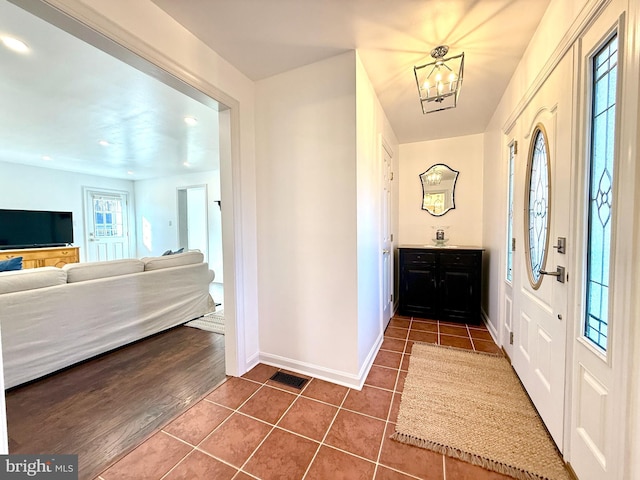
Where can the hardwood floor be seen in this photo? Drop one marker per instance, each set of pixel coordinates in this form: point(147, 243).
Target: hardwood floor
point(104, 407)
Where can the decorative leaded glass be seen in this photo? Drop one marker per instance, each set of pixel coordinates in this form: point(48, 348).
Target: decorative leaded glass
point(537, 206)
point(512, 149)
point(603, 122)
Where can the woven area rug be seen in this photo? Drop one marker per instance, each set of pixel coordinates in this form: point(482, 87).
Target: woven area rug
point(211, 322)
point(472, 406)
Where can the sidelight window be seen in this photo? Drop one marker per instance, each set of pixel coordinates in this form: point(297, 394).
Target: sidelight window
point(604, 70)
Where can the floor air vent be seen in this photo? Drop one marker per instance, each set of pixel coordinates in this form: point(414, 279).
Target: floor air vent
point(287, 379)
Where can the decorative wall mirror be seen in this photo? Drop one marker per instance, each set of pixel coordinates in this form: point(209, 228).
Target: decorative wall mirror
point(537, 205)
point(438, 188)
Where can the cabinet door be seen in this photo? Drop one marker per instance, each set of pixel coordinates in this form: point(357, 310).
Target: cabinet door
point(459, 294)
point(418, 295)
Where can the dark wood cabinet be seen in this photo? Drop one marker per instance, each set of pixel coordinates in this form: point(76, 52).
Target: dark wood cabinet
point(441, 283)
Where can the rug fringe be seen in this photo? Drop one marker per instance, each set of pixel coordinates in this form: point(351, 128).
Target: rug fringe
point(467, 457)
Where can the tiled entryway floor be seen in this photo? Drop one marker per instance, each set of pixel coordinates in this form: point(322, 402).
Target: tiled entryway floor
point(251, 427)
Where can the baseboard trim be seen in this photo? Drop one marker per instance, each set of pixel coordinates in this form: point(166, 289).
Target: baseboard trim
point(355, 381)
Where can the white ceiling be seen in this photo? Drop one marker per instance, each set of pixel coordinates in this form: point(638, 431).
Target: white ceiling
point(266, 37)
point(65, 96)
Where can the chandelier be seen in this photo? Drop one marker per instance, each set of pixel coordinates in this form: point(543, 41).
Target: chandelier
point(439, 82)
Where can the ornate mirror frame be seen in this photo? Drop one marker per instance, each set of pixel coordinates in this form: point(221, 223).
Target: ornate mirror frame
point(438, 189)
point(537, 205)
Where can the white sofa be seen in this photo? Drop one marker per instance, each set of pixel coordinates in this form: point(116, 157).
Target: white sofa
point(51, 317)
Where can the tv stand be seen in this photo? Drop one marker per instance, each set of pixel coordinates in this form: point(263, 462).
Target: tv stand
point(43, 257)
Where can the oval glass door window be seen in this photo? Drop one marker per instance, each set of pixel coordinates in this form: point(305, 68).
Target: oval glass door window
point(537, 205)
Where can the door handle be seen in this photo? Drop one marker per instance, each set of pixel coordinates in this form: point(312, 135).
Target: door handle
point(559, 273)
point(385, 251)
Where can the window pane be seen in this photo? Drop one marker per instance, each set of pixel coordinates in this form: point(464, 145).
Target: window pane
point(510, 215)
point(538, 207)
point(603, 116)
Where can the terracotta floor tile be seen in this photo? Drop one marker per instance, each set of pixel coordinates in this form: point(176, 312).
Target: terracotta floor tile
point(401, 379)
point(199, 465)
point(388, 359)
point(151, 460)
point(370, 401)
point(356, 434)
point(235, 439)
point(404, 366)
point(260, 373)
point(382, 377)
point(394, 332)
point(459, 342)
point(243, 476)
point(198, 422)
point(325, 391)
point(459, 331)
point(423, 319)
point(393, 344)
point(420, 336)
point(488, 347)
point(336, 465)
point(424, 326)
point(477, 334)
point(268, 404)
point(384, 473)
point(397, 315)
point(400, 322)
point(309, 418)
point(395, 407)
point(282, 455)
point(416, 461)
point(459, 470)
point(233, 392)
point(409, 348)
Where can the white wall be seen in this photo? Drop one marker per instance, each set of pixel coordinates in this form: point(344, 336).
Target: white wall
point(465, 222)
point(34, 188)
point(156, 202)
point(372, 127)
point(306, 187)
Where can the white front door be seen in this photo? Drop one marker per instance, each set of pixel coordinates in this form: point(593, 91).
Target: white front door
point(387, 263)
point(106, 225)
point(541, 216)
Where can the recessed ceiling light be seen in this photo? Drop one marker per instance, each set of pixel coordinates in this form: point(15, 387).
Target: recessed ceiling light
point(46, 158)
point(190, 120)
point(130, 172)
point(104, 143)
point(15, 44)
point(186, 164)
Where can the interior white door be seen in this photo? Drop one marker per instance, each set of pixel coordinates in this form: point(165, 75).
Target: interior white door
point(193, 223)
point(106, 225)
point(387, 262)
point(542, 205)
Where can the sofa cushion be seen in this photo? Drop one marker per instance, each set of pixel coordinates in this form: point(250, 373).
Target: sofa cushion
point(31, 278)
point(168, 261)
point(10, 265)
point(81, 272)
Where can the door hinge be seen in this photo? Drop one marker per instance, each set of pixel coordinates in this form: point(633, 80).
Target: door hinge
point(515, 147)
point(391, 298)
point(510, 338)
point(391, 176)
point(513, 244)
point(391, 237)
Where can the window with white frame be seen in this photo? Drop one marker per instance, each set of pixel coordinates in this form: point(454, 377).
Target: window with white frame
point(604, 69)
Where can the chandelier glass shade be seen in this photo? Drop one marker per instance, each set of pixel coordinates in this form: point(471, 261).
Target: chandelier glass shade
point(439, 82)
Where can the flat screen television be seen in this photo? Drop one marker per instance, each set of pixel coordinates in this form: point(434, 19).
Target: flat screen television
point(35, 228)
